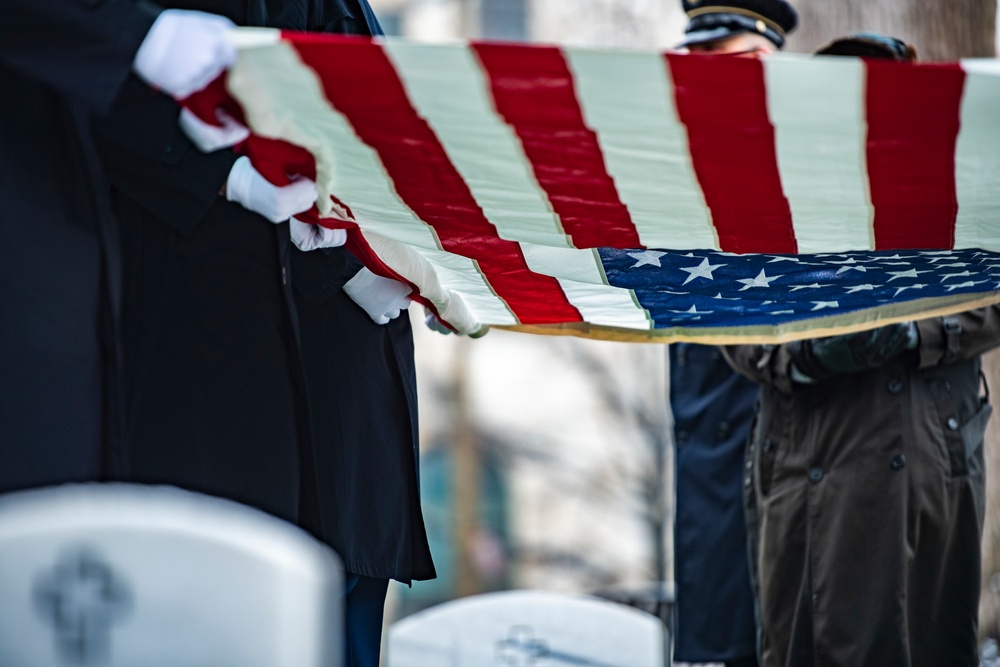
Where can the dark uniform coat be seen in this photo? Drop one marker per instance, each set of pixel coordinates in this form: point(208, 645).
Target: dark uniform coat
point(211, 368)
point(363, 409)
point(60, 60)
point(362, 401)
point(712, 407)
point(870, 501)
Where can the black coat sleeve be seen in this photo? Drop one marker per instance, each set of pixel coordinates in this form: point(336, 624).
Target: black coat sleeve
point(319, 274)
point(82, 49)
point(150, 159)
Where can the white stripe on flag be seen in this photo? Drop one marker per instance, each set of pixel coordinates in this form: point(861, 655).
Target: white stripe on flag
point(977, 157)
point(447, 88)
point(251, 38)
point(581, 276)
point(817, 107)
point(462, 297)
point(627, 99)
point(276, 73)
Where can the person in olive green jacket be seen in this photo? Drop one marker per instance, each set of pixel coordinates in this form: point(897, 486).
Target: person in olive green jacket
point(868, 456)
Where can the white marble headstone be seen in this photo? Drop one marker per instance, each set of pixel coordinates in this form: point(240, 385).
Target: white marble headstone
point(522, 628)
point(140, 576)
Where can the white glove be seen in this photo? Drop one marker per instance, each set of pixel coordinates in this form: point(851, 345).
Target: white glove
point(184, 51)
point(247, 187)
point(434, 323)
point(212, 137)
point(308, 237)
point(382, 298)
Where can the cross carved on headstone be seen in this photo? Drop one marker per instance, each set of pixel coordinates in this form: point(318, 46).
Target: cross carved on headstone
point(81, 596)
point(520, 648)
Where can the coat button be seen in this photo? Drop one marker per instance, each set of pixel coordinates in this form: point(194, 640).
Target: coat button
point(952, 424)
point(898, 462)
point(748, 464)
point(747, 481)
point(895, 386)
point(815, 474)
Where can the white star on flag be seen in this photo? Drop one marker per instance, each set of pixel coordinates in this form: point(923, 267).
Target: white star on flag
point(900, 290)
point(693, 310)
point(949, 276)
point(912, 273)
point(858, 288)
point(820, 305)
point(968, 283)
point(703, 270)
point(760, 281)
point(650, 257)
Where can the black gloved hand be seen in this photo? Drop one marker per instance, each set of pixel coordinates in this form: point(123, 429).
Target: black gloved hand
point(821, 358)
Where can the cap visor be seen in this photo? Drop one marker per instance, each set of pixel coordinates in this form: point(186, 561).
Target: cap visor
point(705, 36)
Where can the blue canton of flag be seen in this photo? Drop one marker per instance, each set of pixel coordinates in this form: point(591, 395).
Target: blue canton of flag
point(707, 288)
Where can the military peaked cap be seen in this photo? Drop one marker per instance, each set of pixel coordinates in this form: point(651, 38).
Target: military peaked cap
point(870, 45)
point(711, 20)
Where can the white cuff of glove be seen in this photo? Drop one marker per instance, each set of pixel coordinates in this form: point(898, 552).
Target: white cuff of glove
point(382, 298)
point(209, 137)
point(184, 51)
point(434, 323)
point(308, 237)
point(247, 187)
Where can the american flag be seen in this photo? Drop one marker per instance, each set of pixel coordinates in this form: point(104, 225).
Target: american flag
point(640, 195)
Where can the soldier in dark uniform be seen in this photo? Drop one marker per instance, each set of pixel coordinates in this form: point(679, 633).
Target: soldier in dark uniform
point(363, 413)
point(61, 63)
point(211, 368)
point(713, 407)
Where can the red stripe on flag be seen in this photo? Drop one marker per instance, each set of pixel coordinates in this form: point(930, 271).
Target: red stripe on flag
point(361, 83)
point(913, 121)
point(737, 167)
point(533, 90)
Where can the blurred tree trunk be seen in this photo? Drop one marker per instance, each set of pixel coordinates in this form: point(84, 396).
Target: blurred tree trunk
point(465, 477)
point(941, 30)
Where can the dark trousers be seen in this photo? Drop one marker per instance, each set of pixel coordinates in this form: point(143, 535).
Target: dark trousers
point(364, 602)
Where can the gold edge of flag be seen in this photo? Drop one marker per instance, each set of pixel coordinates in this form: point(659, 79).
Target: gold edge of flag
point(811, 328)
